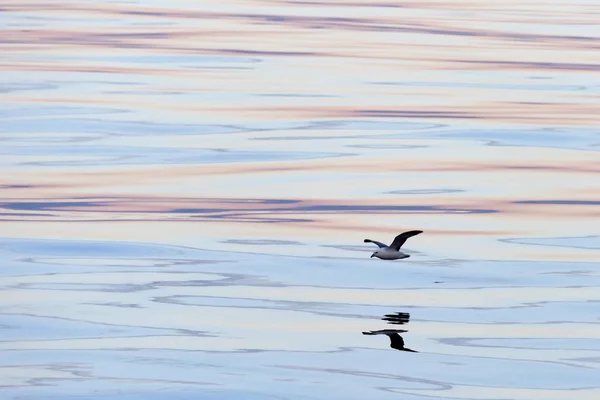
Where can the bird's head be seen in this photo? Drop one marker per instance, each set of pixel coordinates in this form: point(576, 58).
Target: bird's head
point(374, 254)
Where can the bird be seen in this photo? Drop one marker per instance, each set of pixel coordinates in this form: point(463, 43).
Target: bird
point(396, 341)
point(392, 252)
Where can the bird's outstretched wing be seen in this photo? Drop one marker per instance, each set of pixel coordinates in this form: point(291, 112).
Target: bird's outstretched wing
point(381, 245)
point(396, 341)
point(398, 318)
point(385, 332)
point(401, 238)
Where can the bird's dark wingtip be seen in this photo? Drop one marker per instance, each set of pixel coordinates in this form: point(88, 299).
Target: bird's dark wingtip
point(367, 240)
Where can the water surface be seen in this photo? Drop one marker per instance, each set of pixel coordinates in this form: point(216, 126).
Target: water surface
point(186, 188)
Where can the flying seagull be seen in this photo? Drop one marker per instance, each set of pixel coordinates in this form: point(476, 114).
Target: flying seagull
point(392, 252)
point(396, 341)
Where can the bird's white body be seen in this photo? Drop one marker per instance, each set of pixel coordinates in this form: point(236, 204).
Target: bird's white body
point(389, 254)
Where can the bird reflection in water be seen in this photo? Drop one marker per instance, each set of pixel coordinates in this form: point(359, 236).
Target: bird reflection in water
point(396, 341)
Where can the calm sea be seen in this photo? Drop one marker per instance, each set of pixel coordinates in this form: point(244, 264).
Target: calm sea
point(185, 187)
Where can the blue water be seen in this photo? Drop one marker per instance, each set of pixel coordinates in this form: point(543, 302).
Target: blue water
point(185, 191)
